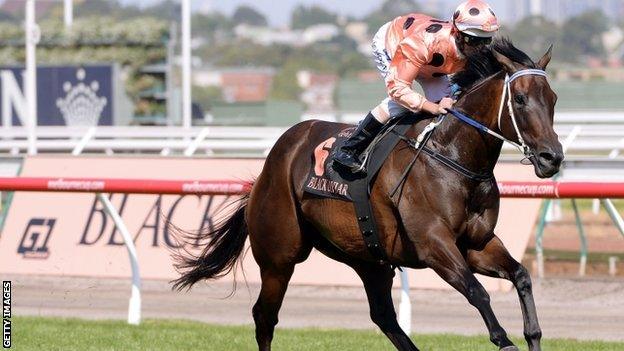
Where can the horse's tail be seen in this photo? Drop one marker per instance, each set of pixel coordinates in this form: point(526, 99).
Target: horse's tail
point(220, 255)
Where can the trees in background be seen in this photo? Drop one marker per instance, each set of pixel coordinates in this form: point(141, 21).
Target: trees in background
point(214, 27)
point(170, 10)
point(330, 57)
point(582, 36)
point(242, 53)
point(389, 10)
point(135, 41)
point(285, 85)
point(7, 17)
point(576, 39)
point(206, 97)
point(249, 15)
point(94, 8)
point(306, 16)
point(534, 35)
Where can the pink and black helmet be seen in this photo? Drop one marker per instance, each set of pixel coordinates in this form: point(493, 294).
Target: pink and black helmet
point(476, 18)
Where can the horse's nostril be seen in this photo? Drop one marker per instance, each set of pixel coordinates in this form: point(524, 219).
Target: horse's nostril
point(547, 156)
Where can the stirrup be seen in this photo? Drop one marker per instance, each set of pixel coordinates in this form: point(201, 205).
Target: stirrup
point(355, 168)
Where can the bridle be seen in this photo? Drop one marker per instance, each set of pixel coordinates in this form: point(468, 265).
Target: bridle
point(521, 144)
point(419, 143)
point(507, 96)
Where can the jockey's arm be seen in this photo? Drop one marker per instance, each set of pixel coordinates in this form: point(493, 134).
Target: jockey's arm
point(404, 69)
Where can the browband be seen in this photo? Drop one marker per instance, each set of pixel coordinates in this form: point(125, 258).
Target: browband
point(527, 72)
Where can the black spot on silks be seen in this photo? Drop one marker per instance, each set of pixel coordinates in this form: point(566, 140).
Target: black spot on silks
point(438, 75)
point(474, 11)
point(434, 28)
point(438, 21)
point(437, 60)
point(492, 12)
point(408, 23)
point(456, 14)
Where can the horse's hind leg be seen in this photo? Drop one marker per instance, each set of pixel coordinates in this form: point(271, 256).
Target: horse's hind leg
point(265, 311)
point(378, 284)
point(444, 257)
point(276, 251)
point(495, 261)
point(278, 244)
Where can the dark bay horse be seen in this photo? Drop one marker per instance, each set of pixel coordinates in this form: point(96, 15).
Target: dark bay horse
point(443, 220)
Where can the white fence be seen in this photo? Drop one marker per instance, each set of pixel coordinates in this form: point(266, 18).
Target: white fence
point(583, 133)
point(163, 140)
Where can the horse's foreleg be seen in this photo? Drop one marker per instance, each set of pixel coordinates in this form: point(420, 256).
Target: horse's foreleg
point(378, 284)
point(266, 309)
point(444, 257)
point(495, 261)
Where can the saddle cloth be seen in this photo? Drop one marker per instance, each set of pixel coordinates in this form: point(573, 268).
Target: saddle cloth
point(328, 181)
point(324, 180)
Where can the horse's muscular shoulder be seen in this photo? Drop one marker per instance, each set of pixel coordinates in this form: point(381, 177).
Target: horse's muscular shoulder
point(482, 206)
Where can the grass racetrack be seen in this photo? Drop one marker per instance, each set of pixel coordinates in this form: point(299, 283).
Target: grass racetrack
point(37, 333)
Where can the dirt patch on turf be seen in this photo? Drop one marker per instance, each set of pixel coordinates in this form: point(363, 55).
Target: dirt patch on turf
point(562, 244)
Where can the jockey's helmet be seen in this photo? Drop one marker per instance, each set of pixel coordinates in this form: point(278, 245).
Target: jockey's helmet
point(476, 18)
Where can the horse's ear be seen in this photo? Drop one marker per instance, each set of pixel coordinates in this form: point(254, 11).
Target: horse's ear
point(508, 64)
point(545, 60)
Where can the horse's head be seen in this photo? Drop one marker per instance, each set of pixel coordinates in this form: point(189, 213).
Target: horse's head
point(529, 102)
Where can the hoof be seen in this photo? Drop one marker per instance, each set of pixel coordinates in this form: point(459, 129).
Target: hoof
point(510, 348)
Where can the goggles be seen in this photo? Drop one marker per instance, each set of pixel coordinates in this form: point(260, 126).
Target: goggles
point(475, 41)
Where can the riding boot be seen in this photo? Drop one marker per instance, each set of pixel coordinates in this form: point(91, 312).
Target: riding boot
point(349, 153)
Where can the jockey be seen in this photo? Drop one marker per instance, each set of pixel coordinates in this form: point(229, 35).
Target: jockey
point(419, 48)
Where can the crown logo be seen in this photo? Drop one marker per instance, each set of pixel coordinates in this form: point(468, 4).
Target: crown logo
point(81, 106)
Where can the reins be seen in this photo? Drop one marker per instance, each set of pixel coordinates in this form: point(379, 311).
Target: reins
point(419, 145)
point(522, 146)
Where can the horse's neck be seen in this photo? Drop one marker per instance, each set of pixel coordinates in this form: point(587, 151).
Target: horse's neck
point(473, 149)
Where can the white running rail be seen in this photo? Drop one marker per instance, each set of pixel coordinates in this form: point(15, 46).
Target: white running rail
point(585, 133)
point(599, 140)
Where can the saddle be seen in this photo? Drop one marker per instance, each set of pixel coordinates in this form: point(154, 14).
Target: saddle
point(329, 181)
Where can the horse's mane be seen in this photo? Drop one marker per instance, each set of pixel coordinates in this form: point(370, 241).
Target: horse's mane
point(483, 64)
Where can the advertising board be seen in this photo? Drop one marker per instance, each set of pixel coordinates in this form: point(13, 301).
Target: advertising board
point(69, 234)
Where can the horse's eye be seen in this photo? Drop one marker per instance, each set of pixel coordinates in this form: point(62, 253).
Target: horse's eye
point(520, 99)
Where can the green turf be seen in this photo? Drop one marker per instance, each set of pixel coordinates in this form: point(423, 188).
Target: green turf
point(33, 333)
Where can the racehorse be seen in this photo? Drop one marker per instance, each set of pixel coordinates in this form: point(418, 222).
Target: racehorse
point(442, 220)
